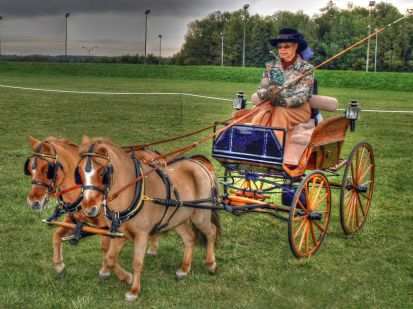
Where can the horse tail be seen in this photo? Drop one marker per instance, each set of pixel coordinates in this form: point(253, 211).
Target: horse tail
point(200, 238)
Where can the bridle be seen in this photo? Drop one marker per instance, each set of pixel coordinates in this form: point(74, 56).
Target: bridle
point(52, 169)
point(107, 173)
point(107, 176)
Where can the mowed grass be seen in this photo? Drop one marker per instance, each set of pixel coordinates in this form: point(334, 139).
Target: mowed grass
point(256, 268)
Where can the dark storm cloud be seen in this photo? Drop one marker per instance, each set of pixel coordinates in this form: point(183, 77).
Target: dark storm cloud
point(30, 8)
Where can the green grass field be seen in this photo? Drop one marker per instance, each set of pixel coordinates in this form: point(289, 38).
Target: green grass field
point(256, 268)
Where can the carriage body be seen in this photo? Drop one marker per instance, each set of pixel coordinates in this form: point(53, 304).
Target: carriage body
point(260, 176)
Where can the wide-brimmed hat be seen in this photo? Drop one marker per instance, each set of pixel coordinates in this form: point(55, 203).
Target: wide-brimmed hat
point(290, 35)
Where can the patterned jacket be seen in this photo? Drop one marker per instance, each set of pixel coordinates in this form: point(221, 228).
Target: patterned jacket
point(275, 77)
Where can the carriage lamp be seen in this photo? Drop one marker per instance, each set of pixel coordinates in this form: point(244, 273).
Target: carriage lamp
point(239, 101)
point(352, 113)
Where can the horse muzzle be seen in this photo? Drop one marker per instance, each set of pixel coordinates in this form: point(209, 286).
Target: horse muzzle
point(38, 205)
point(92, 212)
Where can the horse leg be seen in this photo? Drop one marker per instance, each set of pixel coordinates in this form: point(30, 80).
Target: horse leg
point(188, 238)
point(111, 259)
point(153, 240)
point(210, 231)
point(140, 242)
point(59, 266)
point(104, 247)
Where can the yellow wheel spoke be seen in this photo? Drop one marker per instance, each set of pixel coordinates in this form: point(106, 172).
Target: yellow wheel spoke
point(319, 201)
point(356, 212)
point(318, 193)
point(307, 238)
point(302, 240)
point(368, 169)
point(350, 211)
point(363, 164)
point(298, 218)
point(366, 183)
point(361, 205)
point(302, 206)
point(348, 193)
point(318, 226)
point(353, 215)
point(313, 236)
point(359, 160)
point(299, 228)
point(314, 182)
point(352, 171)
point(349, 203)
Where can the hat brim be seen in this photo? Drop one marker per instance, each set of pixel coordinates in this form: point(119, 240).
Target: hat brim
point(302, 44)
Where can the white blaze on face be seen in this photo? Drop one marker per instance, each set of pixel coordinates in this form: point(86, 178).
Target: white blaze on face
point(88, 181)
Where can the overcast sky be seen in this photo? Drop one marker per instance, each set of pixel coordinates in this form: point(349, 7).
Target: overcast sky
point(117, 27)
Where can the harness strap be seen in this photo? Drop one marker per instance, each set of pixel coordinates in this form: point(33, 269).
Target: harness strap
point(136, 205)
point(73, 207)
point(168, 189)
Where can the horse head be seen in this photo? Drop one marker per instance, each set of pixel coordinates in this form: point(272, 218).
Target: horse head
point(46, 171)
point(96, 172)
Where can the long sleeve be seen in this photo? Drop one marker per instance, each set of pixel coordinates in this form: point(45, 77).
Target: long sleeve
point(299, 93)
point(274, 78)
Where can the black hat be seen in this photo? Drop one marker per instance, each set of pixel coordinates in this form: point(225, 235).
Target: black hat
point(290, 35)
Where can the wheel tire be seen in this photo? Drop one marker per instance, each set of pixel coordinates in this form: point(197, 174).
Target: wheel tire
point(309, 215)
point(357, 188)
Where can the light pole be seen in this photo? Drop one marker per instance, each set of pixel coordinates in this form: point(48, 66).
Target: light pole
point(222, 49)
point(1, 17)
point(66, 15)
point(375, 53)
point(160, 47)
point(146, 29)
point(89, 49)
point(371, 5)
point(246, 6)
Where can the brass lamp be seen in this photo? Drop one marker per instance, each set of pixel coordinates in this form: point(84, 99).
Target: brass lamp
point(239, 101)
point(352, 113)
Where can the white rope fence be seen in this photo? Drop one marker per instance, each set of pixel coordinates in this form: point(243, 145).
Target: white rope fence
point(168, 93)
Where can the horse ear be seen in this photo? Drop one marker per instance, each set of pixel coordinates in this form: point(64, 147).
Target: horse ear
point(33, 142)
point(46, 147)
point(85, 140)
point(101, 149)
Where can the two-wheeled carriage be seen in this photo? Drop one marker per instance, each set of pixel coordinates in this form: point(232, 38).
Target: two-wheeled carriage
point(294, 183)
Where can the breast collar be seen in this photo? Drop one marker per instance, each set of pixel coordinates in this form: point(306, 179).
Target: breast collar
point(118, 217)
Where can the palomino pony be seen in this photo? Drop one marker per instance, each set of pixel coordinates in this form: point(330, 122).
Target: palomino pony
point(52, 166)
point(105, 168)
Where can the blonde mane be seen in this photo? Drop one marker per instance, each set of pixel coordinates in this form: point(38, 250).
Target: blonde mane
point(62, 142)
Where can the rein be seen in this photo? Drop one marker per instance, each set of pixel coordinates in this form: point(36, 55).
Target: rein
point(254, 110)
point(181, 151)
point(142, 146)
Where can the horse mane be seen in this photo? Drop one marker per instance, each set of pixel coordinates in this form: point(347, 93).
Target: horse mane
point(97, 141)
point(62, 142)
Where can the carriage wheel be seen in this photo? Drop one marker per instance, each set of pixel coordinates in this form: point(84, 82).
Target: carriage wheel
point(309, 214)
point(357, 188)
point(242, 183)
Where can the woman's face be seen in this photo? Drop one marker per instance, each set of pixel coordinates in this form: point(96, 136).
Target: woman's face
point(287, 50)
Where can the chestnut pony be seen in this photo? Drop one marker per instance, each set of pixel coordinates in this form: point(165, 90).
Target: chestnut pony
point(51, 167)
point(104, 168)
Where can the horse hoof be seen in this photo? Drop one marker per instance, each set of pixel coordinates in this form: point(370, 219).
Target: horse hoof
point(104, 275)
point(151, 253)
point(181, 275)
point(61, 274)
point(213, 269)
point(130, 297)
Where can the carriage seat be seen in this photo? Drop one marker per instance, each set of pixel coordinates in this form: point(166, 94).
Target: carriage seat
point(301, 134)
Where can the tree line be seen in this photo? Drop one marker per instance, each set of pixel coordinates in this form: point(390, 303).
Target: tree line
point(327, 33)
